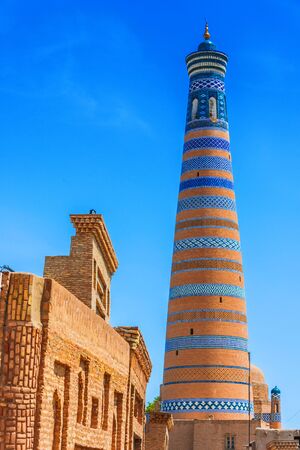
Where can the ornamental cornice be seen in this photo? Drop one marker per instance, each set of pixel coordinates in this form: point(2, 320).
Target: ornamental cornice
point(94, 224)
point(137, 344)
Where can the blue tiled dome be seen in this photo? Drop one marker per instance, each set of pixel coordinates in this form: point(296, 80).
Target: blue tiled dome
point(275, 391)
point(206, 46)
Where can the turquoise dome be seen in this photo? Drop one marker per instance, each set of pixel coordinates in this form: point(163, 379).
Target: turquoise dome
point(275, 391)
point(206, 46)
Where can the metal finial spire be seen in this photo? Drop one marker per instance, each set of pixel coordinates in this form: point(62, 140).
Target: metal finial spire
point(206, 33)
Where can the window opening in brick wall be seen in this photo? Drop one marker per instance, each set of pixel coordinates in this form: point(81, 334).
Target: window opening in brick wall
point(108, 302)
point(114, 434)
point(83, 383)
point(57, 421)
point(192, 331)
point(230, 442)
point(118, 408)
point(177, 352)
point(138, 408)
point(80, 398)
point(137, 443)
point(95, 274)
point(99, 311)
point(102, 289)
point(105, 400)
point(221, 299)
point(94, 412)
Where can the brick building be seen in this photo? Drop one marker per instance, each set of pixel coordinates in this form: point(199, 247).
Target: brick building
point(68, 379)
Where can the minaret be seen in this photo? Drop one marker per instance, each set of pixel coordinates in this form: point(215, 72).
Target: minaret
point(206, 371)
point(275, 408)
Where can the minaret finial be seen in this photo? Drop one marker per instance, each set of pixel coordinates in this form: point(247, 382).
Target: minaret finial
point(206, 33)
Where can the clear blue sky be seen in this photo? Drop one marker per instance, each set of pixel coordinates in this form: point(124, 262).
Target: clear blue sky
point(92, 112)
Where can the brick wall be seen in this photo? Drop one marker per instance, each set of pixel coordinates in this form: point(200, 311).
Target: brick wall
point(157, 431)
point(20, 359)
point(56, 355)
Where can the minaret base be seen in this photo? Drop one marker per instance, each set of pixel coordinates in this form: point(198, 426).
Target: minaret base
point(211, 434)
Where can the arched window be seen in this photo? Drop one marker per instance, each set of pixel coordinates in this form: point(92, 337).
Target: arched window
point(80, 398)
point(57, 421)
point(194, 108)
point(212, 109)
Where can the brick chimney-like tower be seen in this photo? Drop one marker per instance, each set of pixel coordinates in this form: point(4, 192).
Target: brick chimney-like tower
point(206, 371)
point(88, 270)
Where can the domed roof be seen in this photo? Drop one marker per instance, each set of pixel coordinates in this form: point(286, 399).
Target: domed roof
point(206, 45)
point(275, 391)
point(257, 375)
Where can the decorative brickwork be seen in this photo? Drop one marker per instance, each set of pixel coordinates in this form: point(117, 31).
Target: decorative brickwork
point(88, 270)
point(158, 427)
point(66, 374)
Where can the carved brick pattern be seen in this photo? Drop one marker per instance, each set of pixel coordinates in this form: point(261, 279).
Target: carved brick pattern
point(19, 367)
point(206, 374)
point(206, 222)
point(207, 314)
point(206, 264)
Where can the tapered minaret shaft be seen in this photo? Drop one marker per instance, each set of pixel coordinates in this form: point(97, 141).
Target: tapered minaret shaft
point(206, 360)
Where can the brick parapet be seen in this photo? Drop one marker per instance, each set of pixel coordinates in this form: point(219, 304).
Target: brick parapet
point(137, 344)
point(94, 224)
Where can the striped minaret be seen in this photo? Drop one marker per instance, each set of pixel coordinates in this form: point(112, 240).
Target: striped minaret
point(206, 370)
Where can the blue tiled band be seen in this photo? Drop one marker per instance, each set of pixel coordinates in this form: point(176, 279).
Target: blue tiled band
point(206, 163)
point(268, 417)
point(204, 341)
point(207, 83)
point(204, 202)
point(195, 290)
point(206, 405)
point(206, 182)
point(206, 242)
point(206, 142)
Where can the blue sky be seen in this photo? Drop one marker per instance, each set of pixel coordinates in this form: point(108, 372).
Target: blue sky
point(92, 112)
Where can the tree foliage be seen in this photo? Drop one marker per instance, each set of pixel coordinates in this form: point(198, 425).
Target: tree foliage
point(151, 405)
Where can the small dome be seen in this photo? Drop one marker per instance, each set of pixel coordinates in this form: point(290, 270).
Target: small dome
point(275, 391)
point(257, 375)
point(206, 46)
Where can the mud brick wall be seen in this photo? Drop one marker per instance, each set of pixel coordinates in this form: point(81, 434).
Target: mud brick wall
point(66, 375)
point(20, 359)
point(80, 350)
point(157, 431)
point(74, 272)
